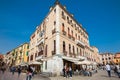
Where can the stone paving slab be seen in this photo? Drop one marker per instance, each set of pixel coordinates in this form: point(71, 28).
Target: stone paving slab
point(101, 75)
point(9, 76)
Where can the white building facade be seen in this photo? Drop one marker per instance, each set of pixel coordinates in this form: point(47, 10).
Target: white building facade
point(60, 41)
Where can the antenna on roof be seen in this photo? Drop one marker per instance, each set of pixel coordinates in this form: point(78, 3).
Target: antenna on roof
point(57, 2)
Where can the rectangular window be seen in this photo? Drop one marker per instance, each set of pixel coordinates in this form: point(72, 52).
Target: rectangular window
point(77, 51)
point(31, 58)
point(54, 10)
point(46, 65)
point(27, 53)
point(63, 46)
point(54, 48)
point(54, 45)
point(46, 50)
point(28, 59)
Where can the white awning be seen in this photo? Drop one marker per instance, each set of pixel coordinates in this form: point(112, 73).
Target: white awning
point(23, 64)
point(84, 62)
point(80, 43)
point(35, 63)
point(39, 57)
point(74, 60)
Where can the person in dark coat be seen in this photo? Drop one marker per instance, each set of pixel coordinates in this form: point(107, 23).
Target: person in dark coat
point(29, 73)
point(19, 71)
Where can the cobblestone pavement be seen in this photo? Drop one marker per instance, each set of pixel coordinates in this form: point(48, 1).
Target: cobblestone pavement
point(9, 76)
point(101, 75)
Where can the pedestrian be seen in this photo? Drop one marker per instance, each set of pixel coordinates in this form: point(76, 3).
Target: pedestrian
point(3, 70)
point(117, 71)
point(19, 71)
point(33, 71)
point(13, 70)
point(70, 72)
point(29, 73)
point(67, 72)
point(64, 71)
point(108, 69)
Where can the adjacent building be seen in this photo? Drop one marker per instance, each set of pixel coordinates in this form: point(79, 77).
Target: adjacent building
point(17, 56)
point(107, 58)
point(117, 59)
point(60, 41)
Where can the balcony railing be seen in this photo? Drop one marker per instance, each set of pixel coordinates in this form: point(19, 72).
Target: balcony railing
point(53, 31)
point(40, 53)
point(63, 16)
point(69, 36)
point(65, 53)
point(39, 57)
point(70, 54)
point(75, 28)
point(68, 21)
point(74, 55)
point(73, 38)
point(64, 32)
point(53, 52)
point(78, 42)
point(40, 41)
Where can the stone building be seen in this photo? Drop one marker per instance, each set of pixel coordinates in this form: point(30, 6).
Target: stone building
point(60, 41)
point(117, 58)
point(107, 58)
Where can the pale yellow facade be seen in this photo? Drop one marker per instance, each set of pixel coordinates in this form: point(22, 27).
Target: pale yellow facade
point(18, 55)
point(116, 59)
point(21, 54)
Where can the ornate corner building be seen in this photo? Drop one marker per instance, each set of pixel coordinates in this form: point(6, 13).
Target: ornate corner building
point(60, 40)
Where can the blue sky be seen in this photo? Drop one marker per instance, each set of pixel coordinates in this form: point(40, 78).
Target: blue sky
point(101, 19)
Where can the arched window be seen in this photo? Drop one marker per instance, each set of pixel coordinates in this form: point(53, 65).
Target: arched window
point(72, 32)
point(54, 45)
point(80, 52)
point(69, 49)
point(73, 50)
point(77, 51)
point(64, 46)
point(68, 31)
point(63, 26)
point(76, 35)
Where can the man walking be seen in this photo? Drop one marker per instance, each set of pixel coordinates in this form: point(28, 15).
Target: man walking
point(108, 68)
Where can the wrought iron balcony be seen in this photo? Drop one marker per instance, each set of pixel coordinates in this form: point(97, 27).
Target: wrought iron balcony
point(54, 30)
point(65, 53)
point(64, 32)
point(40, 53)
point(78, 42)
point(69, 36)
point(53, 52)
point(39, 57)
point(63, 16)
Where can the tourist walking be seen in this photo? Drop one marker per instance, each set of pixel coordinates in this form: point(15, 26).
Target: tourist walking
point(33, 71)
point(67, 72)
point(13, 70)
point(64, 72)
point(19, 71)
point(29, 73)
point(117, 70)
point(70, 72)
point(108, 69)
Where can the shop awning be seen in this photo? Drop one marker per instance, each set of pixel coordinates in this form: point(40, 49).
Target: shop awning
point(23, 64)
point(35, 63)
point(74, 60)
point(83, 62)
